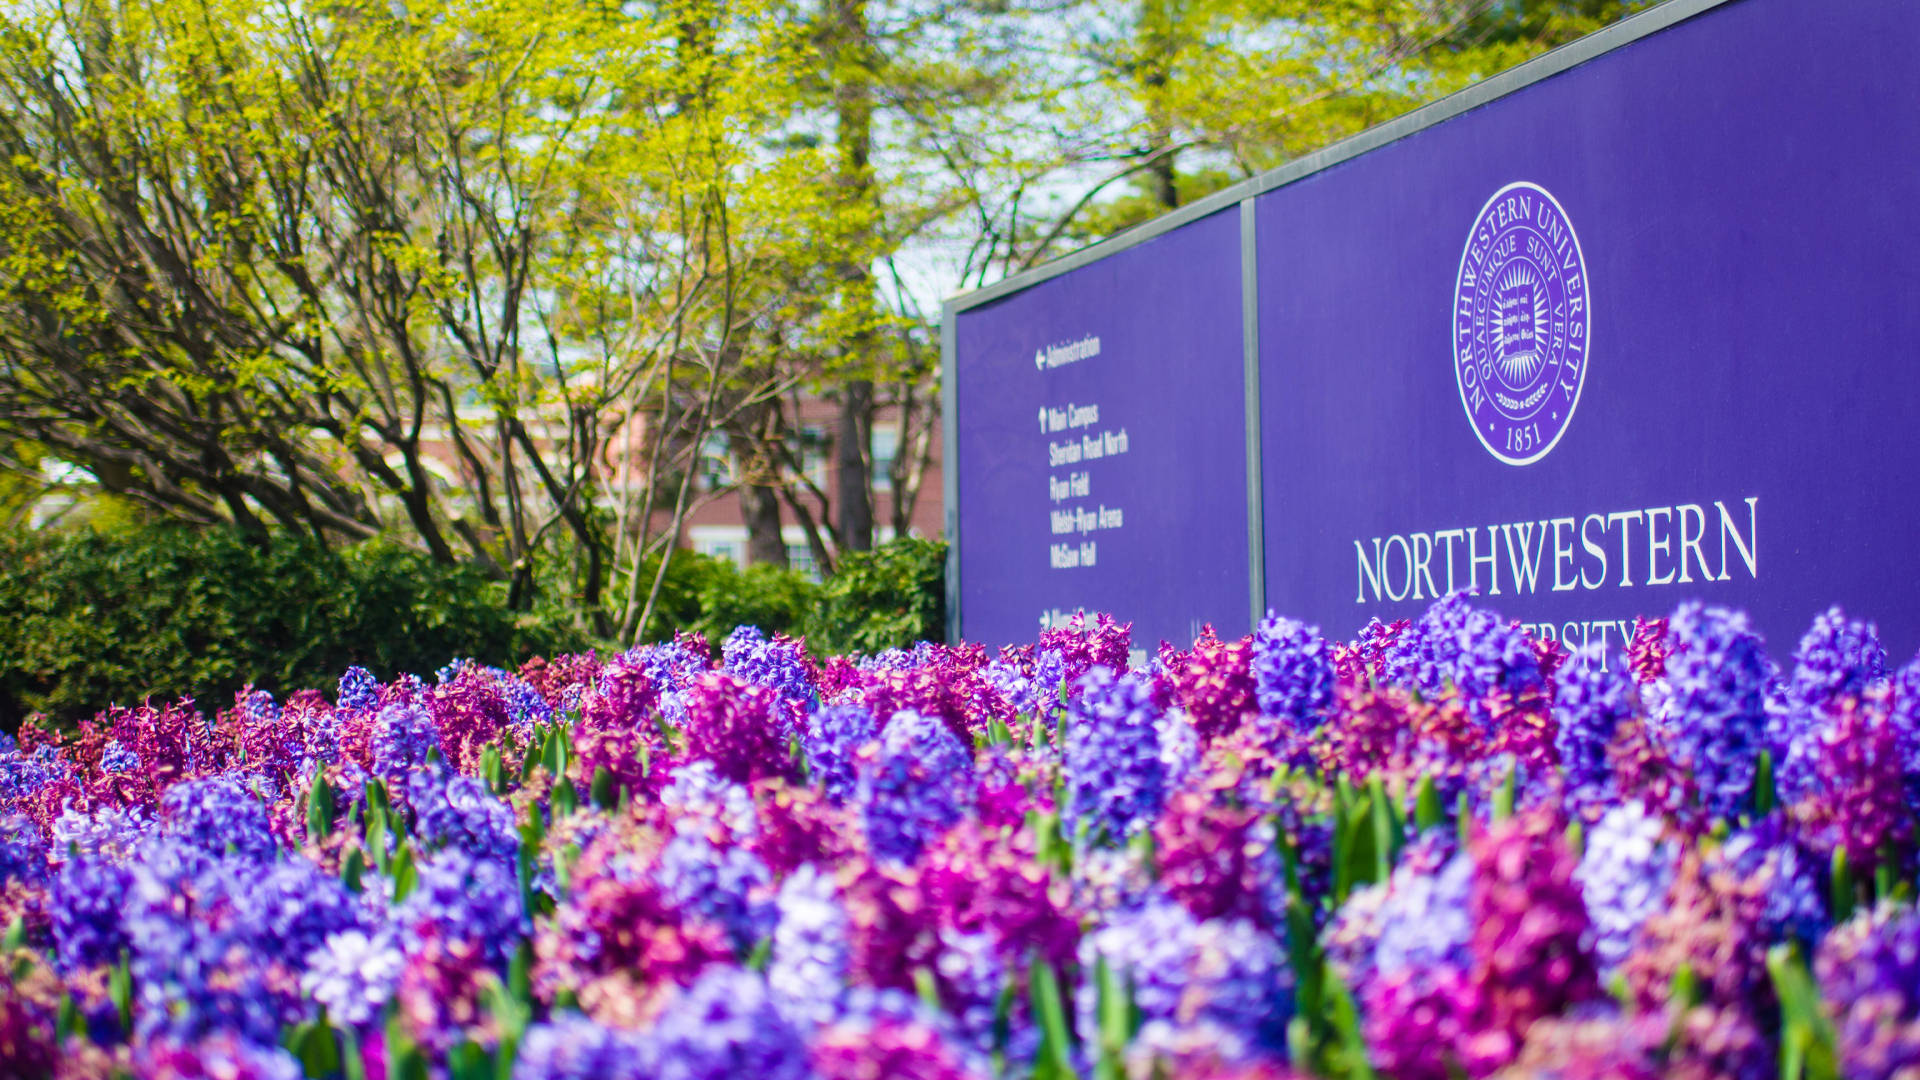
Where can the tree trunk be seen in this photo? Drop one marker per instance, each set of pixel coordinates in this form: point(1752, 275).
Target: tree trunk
point(853, 449)
point(854, 62)
point(760, 506)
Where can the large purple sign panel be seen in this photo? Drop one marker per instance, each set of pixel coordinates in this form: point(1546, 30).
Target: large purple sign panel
point(1645, 331)
point(1101, 445)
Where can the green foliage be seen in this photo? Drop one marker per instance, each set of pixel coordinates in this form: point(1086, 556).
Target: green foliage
point(88, 620)
point(889, 597)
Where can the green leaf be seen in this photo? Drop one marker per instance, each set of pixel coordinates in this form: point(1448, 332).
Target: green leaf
point(1503, 796)
point(375, 840)
point(1807, 1039)
point(1427, 813)
point(467, 1061)
point(120, 990)
point(927, 989)
point(404, 1059)
point(565, 800)
point(493, 769)
point(1765, 797)
point(1388, 834)
point(320, 807)
point(761, 955)
point(314, 1046)
point(402, 871)
point(1116, 1011)
point(352, 869)
point(602, 790)
point(1841, 885)
point(1351, 1044)
point(520, 973)
point(1055, 1060)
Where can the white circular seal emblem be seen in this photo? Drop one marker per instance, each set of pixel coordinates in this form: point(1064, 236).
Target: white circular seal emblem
point(1522, 323)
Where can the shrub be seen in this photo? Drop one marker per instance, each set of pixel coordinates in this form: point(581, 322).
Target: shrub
point(88, 620)
point(886, 598)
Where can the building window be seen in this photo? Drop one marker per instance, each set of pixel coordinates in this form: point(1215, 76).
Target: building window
point(800, 557)
point(813, 454)
point(716, 462)
point(886, 446)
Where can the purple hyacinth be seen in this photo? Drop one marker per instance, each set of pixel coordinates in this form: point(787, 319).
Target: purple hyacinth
point(697, 789)
point(1624, 876)
point(353, 975)
point(722, 883)
point(23, 775)
point(112, 832)
point(216, 1057)
point(1015, 687)
point(779, 663)
point(403, 736)
point(1221, 972)
point(1469, 648)
point(671, 667)
point(914, 784)
point(23, 850)
point(88, 930)
point(525, 707)
point(1715, 716)
point(290, 910)
point(832, 741)
point(1860, 798)
point(1423, 921)
point(572, 1047)
point(972, 976)
point(1904, 715)
point(117, 758)
point(359, 691)
point(460, 811)
point(1292, 671)
point(1838, 657)
point(1116, 781)
point(463, 899)
point(1594, 697)
point(195, 975)
point(1869, 974)
point(258, 708)
point(1796, 904)
point(727, 1025)
point(216, 815)
point(812, 950)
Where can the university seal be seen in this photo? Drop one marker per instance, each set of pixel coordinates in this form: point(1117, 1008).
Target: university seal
point(1522, 323)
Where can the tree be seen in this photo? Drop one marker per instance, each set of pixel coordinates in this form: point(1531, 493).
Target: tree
point(362, 268)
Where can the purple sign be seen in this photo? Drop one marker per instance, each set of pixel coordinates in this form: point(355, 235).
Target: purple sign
point(1099, 444)
point(1744, 192)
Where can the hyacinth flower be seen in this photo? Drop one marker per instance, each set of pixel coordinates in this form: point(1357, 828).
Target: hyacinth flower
point(879, 886)
point(916, 780)
point(1596, 695)
point(1214, 684)
point(1859, 800)
point(1624, 876)
point(778, 663)
point(1869, 977)
point(1838, 658)
point(1293, 676)
point(1116, 780)
point(1715, 717)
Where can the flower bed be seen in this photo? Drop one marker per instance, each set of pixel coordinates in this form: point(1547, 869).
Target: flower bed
point(1442, 849)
